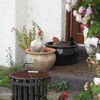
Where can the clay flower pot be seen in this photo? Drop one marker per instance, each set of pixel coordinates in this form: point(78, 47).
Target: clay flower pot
point(41, 60)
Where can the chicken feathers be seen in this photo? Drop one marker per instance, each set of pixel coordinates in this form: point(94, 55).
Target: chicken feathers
point(90, 43)
point(64, 96)
point(56, 41)
point(37, 45)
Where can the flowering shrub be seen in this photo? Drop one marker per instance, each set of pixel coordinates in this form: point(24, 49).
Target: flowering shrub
point(87, 12)
point(25, 38)
point(94, 88)
point(70, 4)
point(94, 62)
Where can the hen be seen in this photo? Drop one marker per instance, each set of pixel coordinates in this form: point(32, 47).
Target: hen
point(90, 43)
point(37, 45)
point(63, 97)
point(56, 41)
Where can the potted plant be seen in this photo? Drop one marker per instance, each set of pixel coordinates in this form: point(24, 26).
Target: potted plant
point(25, 38)
point(41, 60)
point(36, 60)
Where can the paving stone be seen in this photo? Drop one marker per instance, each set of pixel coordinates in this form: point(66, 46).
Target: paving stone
point(5, 93)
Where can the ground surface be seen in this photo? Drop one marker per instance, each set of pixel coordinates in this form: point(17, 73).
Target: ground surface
point(76, 75)
point(5, 94)
point(79, 71)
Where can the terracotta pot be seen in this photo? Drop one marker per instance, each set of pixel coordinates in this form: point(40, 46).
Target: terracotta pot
point(41, 60)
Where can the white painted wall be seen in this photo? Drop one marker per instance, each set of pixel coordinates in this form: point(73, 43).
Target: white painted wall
point(7, 21)
point(21, 10)
point(50, 15)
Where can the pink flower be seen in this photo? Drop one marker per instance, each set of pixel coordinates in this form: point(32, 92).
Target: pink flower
point(89, 10)
point(81, 9)
point(92, 62)
point(97, 73)
point(11, 30)
point(97, 68)
point(91, 22)
point(99, 95)
point(88, 57)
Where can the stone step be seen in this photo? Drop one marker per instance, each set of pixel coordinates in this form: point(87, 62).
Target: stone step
point(74, 84)
point(76, 75)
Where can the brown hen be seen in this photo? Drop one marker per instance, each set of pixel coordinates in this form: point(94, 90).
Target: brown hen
point(63, 96)
point(56, 41)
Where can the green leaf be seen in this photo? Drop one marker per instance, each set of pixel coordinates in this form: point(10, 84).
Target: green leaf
point(95, 30)
point(98, 1)
point(25, 38)
point(63, 85)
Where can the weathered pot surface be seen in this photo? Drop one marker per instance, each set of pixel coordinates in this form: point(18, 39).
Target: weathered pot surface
point(41, 60)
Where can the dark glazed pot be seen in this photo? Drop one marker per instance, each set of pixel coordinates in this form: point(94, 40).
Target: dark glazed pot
point(65, 54)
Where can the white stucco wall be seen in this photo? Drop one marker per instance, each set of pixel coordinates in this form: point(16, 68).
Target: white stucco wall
point(50, 15)
point(21, 10)
point(7, 21)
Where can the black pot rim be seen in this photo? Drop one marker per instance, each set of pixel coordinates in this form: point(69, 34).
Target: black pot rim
point(61, 47)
